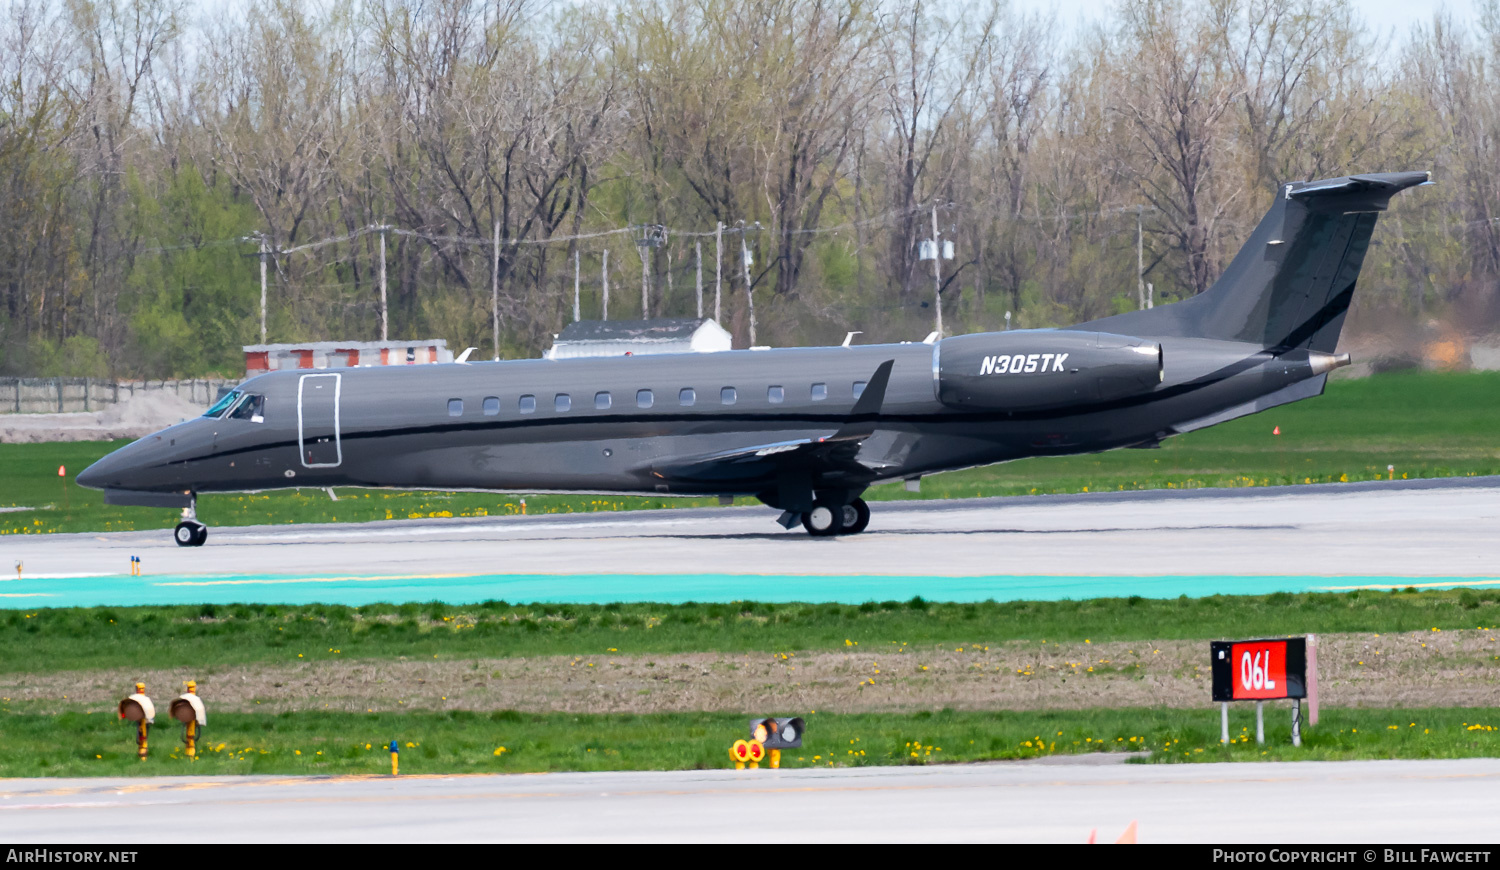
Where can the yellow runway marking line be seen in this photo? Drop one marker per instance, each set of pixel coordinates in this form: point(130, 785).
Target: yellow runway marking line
point(315, 580)
point(178, 785)
point(1489, 582)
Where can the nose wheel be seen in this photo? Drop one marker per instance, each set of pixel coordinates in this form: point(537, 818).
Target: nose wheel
point(190, 533)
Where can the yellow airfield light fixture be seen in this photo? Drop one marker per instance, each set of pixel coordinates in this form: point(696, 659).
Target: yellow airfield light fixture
point(395, 754)
point(757, 754)
point(137, 708)
point(188, 709)
point(739, 753)
point(776, 734)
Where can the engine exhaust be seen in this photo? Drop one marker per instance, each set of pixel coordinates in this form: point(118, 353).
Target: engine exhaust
point(1322, 363)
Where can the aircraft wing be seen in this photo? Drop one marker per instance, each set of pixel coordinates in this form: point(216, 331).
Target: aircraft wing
point(820, 456)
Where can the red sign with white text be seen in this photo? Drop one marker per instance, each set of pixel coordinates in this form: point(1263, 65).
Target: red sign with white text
point(1258, 669)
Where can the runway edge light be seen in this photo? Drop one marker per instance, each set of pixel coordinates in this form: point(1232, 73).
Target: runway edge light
point(137, 708)
point(739, 753)
point(188, 709)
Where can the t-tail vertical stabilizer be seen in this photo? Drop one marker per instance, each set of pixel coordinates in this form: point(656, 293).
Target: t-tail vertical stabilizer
point(1291, 284)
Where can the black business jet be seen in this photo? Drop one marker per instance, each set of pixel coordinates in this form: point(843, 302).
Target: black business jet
point(805, 430)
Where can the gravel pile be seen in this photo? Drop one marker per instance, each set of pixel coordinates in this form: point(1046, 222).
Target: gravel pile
point(140, 415)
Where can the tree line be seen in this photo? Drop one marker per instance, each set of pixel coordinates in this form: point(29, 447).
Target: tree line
point(797, 152)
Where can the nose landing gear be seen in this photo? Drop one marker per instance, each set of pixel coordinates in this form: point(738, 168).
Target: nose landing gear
point(190, 532)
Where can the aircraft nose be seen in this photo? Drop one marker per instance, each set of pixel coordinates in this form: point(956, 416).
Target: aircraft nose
point(95, 475)
point(122, 468)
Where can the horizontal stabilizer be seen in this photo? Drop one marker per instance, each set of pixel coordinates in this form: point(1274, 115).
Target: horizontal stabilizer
point(1310, 388)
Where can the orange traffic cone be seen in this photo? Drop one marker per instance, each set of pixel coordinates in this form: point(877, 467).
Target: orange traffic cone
point(1127, 837)
point(1276, 431)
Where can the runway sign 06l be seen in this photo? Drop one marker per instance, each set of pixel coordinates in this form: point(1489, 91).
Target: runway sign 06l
point(1259, 670)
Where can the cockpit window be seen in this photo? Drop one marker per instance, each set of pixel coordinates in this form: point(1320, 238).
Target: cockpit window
point(251, 407)
point(223, 404)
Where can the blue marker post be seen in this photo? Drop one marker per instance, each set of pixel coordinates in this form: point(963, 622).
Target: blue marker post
point(395, 752)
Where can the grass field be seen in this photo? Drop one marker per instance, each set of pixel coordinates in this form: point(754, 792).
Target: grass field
point(99, 744)
point(1405, 425)
point(209, 636)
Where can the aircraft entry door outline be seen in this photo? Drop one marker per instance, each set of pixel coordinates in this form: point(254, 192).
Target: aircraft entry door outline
point(318, 443)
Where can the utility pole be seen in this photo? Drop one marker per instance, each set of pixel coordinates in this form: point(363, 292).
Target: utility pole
point(263, 290)
point(384, 312)
point(670, 291)
point(718, 271)
point(495, 293)
point(645, 281)
point(749, 296)
point(1140, 262)
point(576, 278)
point(937, 272)
point(604, 270)
point(698, 269)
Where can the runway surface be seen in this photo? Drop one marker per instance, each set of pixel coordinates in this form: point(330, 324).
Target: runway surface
point(1160, 544)
point(1426, 802)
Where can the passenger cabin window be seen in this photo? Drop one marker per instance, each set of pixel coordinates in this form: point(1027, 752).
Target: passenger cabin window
point(727, 396)
point(562, 403)
point(491, 405)
point(455, 407)
point(223, 404)
point(775, 395)
point(859, 389)
point(526, 405)
point(644, 399)
point(252, 408)
point(819, 392)
point(686, 397)
point(601, 401)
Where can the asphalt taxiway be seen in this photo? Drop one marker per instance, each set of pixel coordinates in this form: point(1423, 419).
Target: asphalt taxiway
point(1162, 543)
point(1382, 802)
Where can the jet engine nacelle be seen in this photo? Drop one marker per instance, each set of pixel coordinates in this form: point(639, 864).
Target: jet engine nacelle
point(1044, 368)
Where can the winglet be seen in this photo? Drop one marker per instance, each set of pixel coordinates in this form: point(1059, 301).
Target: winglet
point(868, 404)
point(463, 358)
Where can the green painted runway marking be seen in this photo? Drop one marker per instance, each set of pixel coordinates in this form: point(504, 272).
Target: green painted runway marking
point(125, 591)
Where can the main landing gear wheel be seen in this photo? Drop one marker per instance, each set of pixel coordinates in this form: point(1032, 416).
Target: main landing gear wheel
point(856, 517)
point(190, 533)
point(823, 520)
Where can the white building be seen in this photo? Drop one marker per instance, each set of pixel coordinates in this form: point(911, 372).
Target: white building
point(638, 337)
